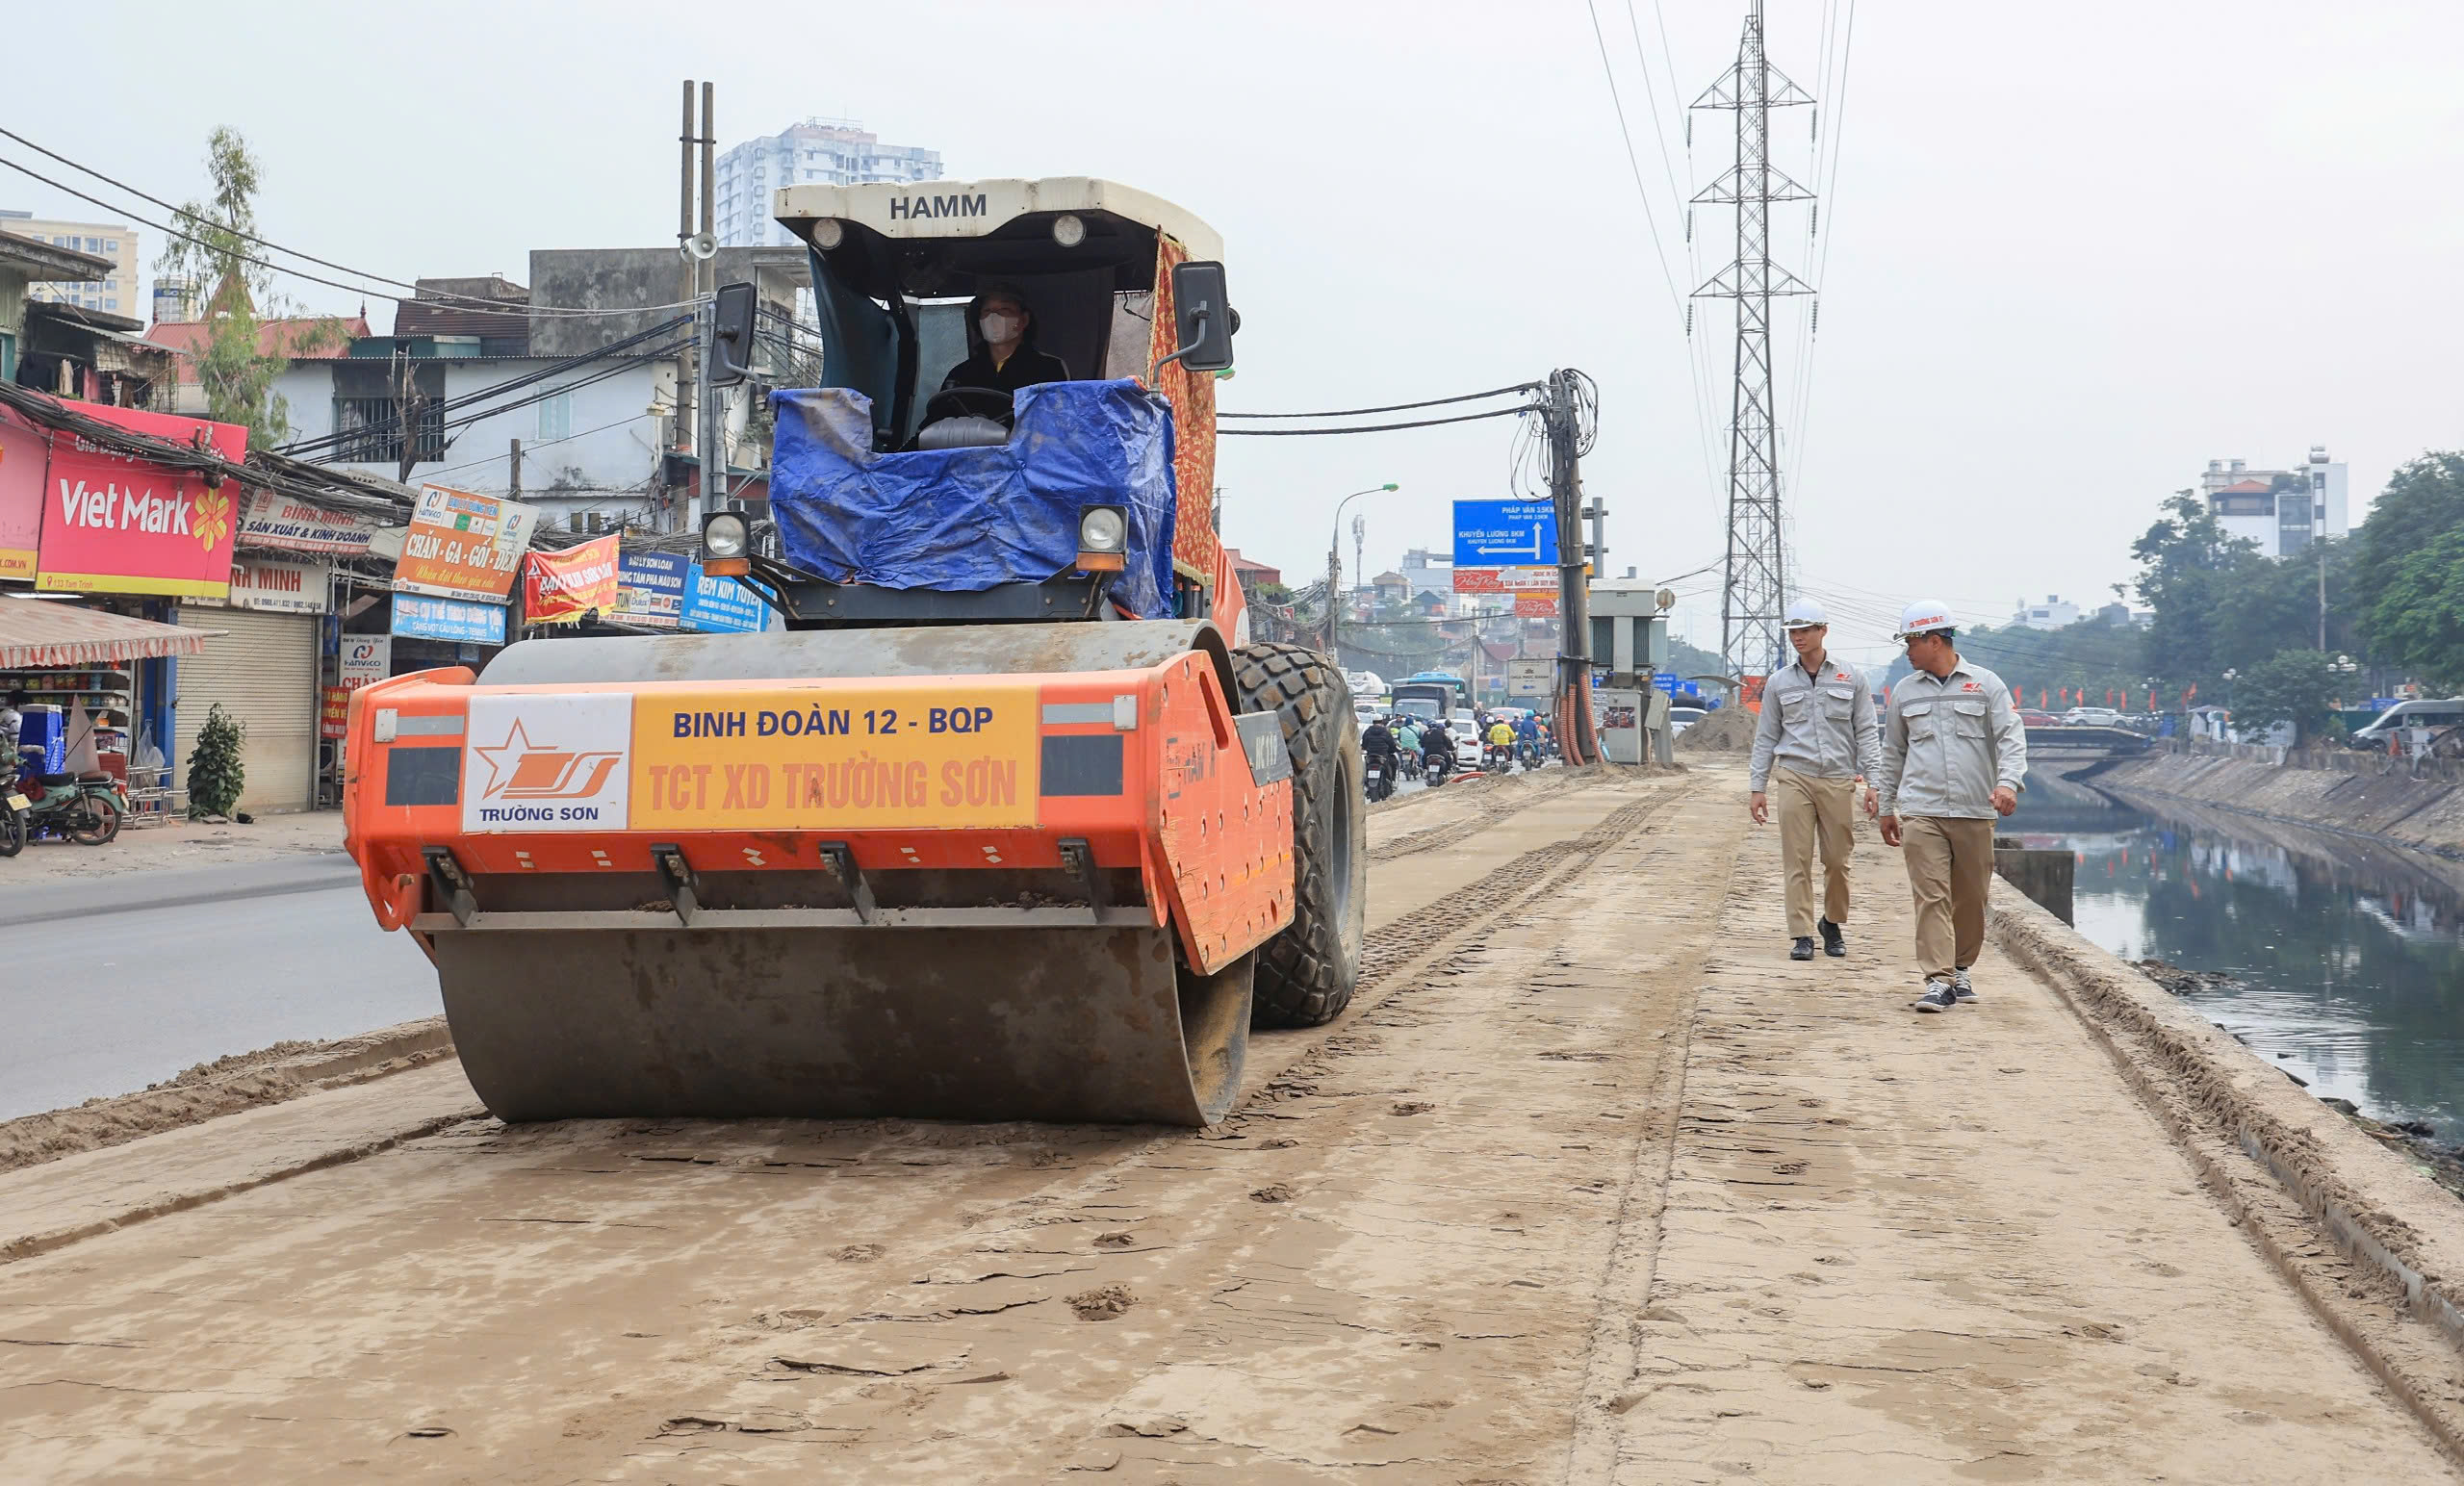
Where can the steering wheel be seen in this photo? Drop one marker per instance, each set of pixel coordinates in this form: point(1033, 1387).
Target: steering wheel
point(970, 402)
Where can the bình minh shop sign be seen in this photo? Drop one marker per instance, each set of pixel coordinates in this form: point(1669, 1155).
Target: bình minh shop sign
point(463, 546)
point(279, 521)
point(115, 523)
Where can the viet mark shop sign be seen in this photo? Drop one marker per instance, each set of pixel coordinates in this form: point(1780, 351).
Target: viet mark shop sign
point(115, 522)
point(463, 546)
point(1504, 534)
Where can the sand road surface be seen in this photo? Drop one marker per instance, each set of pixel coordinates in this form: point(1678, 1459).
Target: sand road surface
point(1591, 1185)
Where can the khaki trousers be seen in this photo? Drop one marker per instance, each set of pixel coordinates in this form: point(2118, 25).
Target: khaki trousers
point(1950, 868)
point(1815, 810)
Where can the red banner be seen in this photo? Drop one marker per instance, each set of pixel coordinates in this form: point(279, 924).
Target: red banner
point(1536, 606)
point(333, 712)
point(23, 455)
point(120, 523)
point(558, 588)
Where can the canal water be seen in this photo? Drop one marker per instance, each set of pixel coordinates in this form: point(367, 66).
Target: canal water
point(2348, 957)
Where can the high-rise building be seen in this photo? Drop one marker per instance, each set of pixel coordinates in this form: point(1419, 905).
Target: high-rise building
point(2278, 509)
point(821, 151)
point(118, 293)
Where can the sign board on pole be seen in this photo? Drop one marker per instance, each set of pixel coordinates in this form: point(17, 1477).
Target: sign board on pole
point(463, 546)
point(1536, 606)
point(1530, 677)
point(449, 619)
point(1505, 580)
point(1504, 534)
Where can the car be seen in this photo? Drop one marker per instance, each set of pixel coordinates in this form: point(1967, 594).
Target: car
point(2029, 717)
point(2424, 713)
point(1467, 736)
point(1680, 718)
point(2092, 717)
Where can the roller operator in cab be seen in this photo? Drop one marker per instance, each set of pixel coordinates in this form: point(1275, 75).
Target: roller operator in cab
point(1005, 357)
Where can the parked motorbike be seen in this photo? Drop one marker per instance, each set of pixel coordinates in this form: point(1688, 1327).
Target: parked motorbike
point(86, 809)
point(14, 808)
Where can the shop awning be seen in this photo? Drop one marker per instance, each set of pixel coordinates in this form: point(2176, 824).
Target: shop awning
point(46, 633)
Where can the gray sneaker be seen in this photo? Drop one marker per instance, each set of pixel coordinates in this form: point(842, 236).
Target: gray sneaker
point(1960, 988)
point(1940, 997)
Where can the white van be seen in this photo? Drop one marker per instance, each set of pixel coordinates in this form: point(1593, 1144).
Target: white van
point(2436, 716)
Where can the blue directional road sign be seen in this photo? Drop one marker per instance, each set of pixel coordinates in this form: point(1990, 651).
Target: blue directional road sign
point(1506, 533)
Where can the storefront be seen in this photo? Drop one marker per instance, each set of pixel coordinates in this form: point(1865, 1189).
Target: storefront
point(265, 672)
point(79, 666)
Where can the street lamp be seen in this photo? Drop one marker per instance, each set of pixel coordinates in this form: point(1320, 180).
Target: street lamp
point(1334, 565)
point(2229, 673)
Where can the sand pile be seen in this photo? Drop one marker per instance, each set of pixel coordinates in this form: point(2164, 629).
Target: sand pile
point(1727, 731)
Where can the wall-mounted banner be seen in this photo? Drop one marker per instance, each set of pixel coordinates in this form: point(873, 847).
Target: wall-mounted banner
point(650, 588)
point(115, 522)
point(24, 454)
point(269, 520)
point(463, 546)
point(559, 588)
point(366, 658)
point(285, 587)
point(449, 619)
point(721, 606)
point(1536, 606)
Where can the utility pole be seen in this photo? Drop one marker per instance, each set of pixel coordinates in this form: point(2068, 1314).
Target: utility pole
point(1570, 415)
point(1754, 591)
point(407, 408)
point(688, 286)
point(516, 457)
point(715, 459)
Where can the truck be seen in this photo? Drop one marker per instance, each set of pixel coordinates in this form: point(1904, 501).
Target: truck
point(1011, 820)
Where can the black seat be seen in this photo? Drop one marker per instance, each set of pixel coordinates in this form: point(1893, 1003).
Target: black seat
point(47, 780)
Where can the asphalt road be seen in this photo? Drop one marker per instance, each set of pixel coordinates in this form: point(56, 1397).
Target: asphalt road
point(116, 983)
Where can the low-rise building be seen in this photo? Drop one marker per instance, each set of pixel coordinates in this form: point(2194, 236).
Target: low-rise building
point(2281, 510)
point(2052, 614)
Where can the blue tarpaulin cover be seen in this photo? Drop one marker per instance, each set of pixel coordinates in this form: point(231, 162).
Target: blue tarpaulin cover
point(963, 520)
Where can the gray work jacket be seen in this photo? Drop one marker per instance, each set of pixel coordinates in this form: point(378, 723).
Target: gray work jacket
point(1821, 725)
point(1948, 742)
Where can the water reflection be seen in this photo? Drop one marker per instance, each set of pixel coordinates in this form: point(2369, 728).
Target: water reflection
point(2350, 954)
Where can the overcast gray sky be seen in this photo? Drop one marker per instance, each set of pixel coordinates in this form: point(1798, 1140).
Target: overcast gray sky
point(2075, 253)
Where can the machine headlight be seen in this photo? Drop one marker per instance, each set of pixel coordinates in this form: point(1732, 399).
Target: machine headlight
point(1103, 528)
point(828, 233)
point(722, 535)
point(1068, 229)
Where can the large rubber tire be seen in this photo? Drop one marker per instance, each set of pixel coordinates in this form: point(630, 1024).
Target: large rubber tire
point(1306, 973)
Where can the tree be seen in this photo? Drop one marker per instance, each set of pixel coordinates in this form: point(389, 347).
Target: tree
point(2186, 559)
point(2404, 579)
point(2291, 686)
point(234, 366)
point(216, 773)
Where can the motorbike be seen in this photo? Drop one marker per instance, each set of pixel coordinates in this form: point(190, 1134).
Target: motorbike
point(86, 809)
point(1436, 769)
point(1498, 760)
point(1379, 776)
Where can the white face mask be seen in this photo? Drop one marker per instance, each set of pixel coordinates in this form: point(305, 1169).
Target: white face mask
point(999, 329)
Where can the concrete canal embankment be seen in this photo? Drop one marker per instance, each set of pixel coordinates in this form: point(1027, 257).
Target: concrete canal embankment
point(2291, 1173)
point(2418, 804)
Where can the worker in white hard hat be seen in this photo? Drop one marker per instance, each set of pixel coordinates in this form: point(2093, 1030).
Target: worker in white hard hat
point(1954, 754)
point(1816, 737)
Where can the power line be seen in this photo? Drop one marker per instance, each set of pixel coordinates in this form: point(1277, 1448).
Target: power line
point(1426, 423)
point(481, 305)
point(1660, 254)
point(1397, 407)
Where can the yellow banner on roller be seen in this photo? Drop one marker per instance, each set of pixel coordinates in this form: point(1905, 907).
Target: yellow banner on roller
point(880, 754)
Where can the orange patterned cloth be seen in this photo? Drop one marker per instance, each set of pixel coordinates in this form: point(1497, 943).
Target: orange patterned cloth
point(1193, 398)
